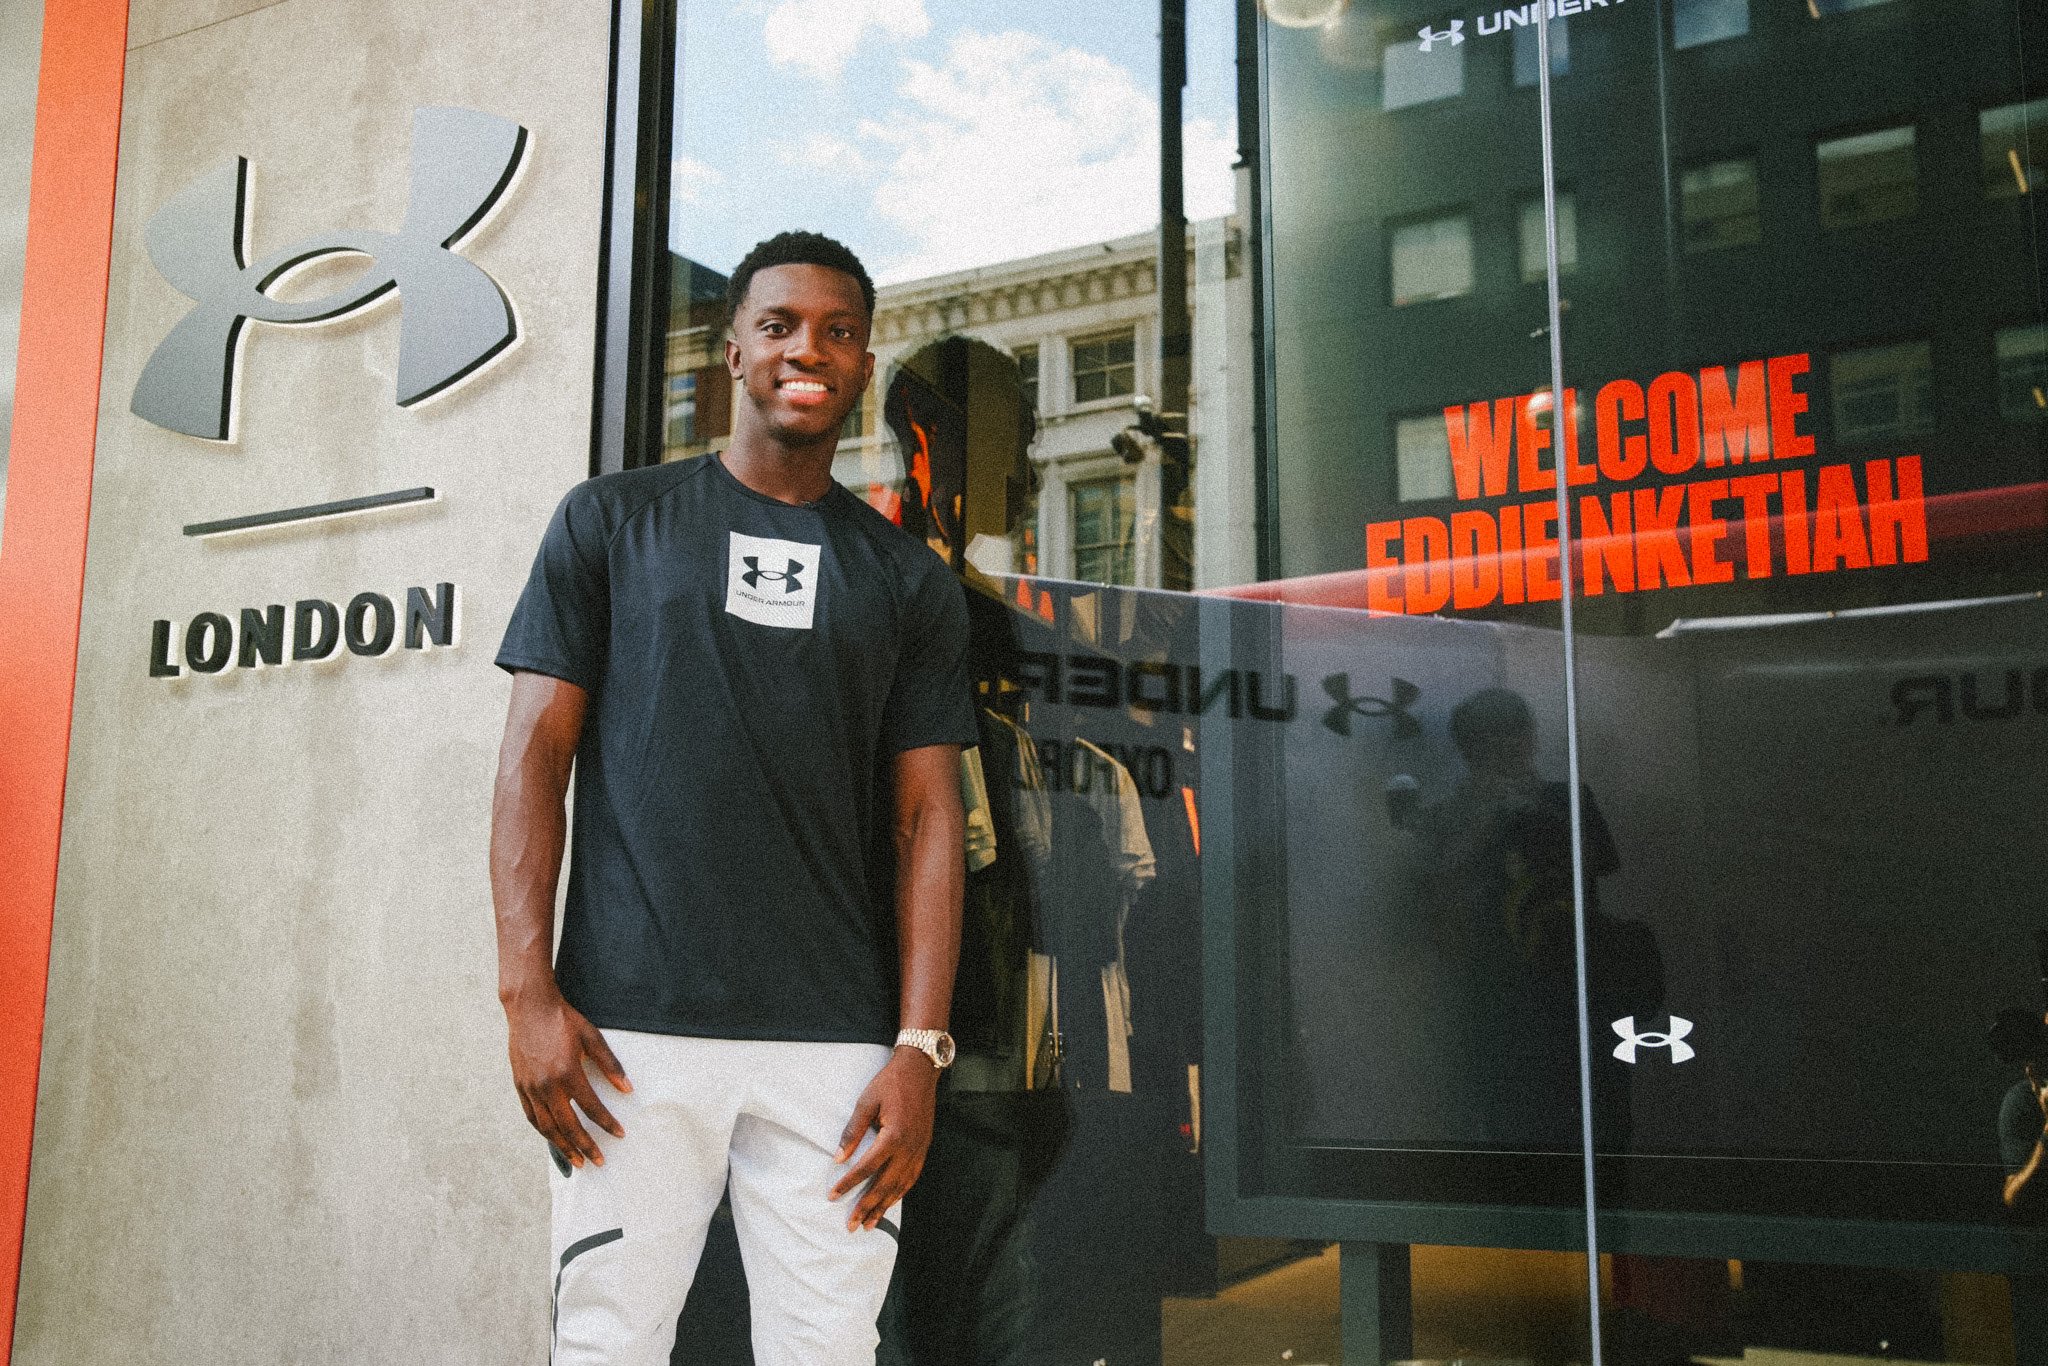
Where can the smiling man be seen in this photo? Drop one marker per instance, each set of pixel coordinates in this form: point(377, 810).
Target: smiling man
point(762, 684)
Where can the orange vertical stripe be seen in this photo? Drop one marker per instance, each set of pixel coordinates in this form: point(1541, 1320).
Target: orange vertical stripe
point(42, 547)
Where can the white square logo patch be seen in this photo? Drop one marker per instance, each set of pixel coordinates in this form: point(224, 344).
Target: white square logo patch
point(774, 583)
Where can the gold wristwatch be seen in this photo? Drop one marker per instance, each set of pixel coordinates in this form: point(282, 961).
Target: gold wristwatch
point(935, 1044)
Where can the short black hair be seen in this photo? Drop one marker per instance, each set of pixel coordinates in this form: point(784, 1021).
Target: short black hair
point(797, 249)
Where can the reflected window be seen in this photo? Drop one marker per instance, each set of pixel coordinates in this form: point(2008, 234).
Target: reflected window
point(1027, 376)
point(1027, 538)
point(682, 409)
point(1422, 458)
point(1421, 71)
point(1718, 205)
point(2006, 136)
point(1525, 51)
point(1105, 366)
point(1867, 178)
point(2023, 373)
point(1533, 264)
point(1694, 22)
point(1431, 259)
point(1883, 393)
point(1105, 511)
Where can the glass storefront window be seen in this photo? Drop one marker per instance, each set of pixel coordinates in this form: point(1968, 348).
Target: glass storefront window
point(1323, 1022)
point(1431, 259)
point(1867, 178)
point(1697, 22)
point(1718, 205)
point(2007, 136)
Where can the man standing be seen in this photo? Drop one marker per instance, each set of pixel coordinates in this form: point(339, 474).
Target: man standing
point(763, 686)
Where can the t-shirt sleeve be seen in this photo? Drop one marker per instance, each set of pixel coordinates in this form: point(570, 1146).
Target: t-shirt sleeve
point(562, 622)
point(929, 702)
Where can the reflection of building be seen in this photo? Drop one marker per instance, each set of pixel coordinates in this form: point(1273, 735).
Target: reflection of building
point(1082, 326)
point(1867, 208)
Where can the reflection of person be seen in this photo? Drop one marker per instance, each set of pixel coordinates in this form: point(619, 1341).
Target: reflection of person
point(2023, 1115)
point(1501, 849)
point(960, 419)
point(760, 681)
point(967, 1283)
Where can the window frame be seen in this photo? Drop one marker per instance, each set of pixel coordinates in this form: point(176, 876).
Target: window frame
point(1125, 481)
point(1127, 332)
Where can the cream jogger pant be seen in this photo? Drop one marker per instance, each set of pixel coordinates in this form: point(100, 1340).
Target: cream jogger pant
point(764, 1115)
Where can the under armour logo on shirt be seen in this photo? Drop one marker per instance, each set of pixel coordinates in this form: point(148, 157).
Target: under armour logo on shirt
point(787, 577)
point(787, 596)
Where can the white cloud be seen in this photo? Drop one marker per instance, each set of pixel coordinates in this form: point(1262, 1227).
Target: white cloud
point(689, 178)
point(819, 36)
point(1013, 145)
point(822, 153)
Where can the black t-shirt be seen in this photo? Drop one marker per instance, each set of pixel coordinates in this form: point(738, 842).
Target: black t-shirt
point(753, 668)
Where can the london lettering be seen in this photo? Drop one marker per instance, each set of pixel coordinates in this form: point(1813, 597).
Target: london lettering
point(369, 625)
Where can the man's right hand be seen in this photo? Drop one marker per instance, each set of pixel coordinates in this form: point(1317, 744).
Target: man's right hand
point(549, 1041)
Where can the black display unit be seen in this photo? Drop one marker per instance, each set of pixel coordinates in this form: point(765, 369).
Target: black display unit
point(1392, 1085)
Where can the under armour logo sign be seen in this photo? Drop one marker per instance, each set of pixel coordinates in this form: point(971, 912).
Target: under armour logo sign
point(786, 577)
point(1453, 35)
point(1673, 1040)
point(456, 318)
point(1338, 717)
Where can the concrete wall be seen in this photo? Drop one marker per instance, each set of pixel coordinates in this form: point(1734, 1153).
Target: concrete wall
point(275, 1121)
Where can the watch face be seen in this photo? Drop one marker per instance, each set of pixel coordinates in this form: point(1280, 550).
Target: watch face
point(943, 1050)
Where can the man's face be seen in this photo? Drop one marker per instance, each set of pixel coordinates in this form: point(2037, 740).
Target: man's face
point(799, 350)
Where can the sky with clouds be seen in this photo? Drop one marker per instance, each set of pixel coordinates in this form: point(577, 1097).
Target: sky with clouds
point(935, 135)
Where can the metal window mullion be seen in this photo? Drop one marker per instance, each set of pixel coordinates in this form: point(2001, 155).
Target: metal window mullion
point(1555, 318)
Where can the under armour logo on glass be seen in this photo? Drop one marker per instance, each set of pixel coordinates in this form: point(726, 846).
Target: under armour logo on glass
point(456, 318)
point(1338, 718)
point(1631, 1040)
point(786, 577)
point(1453, 35)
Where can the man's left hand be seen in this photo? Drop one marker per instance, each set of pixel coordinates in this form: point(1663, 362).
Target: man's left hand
point(898, 1104)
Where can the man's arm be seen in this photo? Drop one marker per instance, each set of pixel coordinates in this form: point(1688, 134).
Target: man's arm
point(549, 1039)
point(2024, 1190)
point(930, 880)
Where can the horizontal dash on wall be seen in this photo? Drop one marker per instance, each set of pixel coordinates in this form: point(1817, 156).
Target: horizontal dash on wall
point(369, 502)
